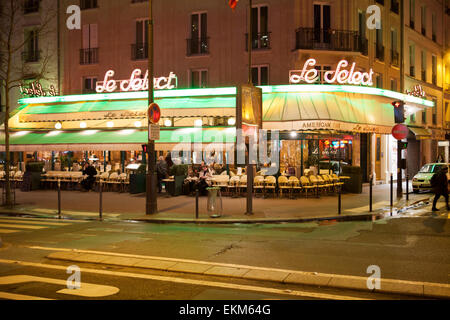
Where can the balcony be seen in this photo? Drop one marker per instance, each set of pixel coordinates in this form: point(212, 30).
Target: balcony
point(260, 41)
point(394, 58)
point(88, 56)
point(379, 52)
point(30, 6)
point(197, 46)
point(412, 72)
point(395, 6)
point(329, 39)
point(139, 51)
point(31, 56)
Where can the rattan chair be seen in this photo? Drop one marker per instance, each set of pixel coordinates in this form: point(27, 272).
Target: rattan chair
point(283, 185)
point(270, 184)
point(296, 188)
point(258, 185)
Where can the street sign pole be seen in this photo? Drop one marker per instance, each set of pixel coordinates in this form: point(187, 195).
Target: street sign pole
point(249, 168)
point(151, 206)
point(402, 89)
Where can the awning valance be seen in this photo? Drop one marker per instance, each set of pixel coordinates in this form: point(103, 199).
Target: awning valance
point(113, 139)
point(421, 133)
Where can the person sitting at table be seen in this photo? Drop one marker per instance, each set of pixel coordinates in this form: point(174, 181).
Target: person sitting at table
point(204, 182)
point(161, 172)
point(189, 182)
point(90, 172)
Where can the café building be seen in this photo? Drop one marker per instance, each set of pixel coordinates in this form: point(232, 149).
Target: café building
point(342, 118)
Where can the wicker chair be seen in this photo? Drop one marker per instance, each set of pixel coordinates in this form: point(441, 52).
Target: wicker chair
point(283, 185)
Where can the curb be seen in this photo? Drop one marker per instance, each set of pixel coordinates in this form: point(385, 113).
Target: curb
point(410, 288)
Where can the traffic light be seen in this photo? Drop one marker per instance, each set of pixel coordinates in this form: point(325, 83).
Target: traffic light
point(399, 111)
point(403, 145)
point(144, 148)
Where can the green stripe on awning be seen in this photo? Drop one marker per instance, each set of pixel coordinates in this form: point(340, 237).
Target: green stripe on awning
point(121, 136)
point(116, 105)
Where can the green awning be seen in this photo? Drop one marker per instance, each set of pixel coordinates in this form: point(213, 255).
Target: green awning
point(127, 136)
point(337, 106)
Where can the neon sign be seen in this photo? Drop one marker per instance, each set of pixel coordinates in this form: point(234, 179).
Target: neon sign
point(35, 90)
point(135, 83)
point(417, 91)
point(341, 75)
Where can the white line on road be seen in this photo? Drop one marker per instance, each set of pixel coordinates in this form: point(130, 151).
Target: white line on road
point(223, 285)
point(21, 226)
point(2, 220)
point(13, 296)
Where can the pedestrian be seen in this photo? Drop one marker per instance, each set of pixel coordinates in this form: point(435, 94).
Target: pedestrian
point(439, 182)
point(161, 172)
point(169, 161)
point(440, 158)
point(90, 172)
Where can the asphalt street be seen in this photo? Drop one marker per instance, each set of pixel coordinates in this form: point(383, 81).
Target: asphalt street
point(412, 246)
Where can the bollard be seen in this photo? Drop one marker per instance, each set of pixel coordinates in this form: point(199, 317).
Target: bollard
point(101, 201)
point(59, 199)
point(407, 187)
point(392, 192)
point(196, 202)
point(370, 194)
point(339, 201)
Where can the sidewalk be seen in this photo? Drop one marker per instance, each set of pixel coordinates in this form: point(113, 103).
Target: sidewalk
point(124, 206)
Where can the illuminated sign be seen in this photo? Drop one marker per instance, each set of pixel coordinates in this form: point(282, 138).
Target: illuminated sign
point(341, 75)
point(417, 91)
point(35, 90)
point(136, 82)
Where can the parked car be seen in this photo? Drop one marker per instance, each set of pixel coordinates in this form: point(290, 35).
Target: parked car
point(421, 181)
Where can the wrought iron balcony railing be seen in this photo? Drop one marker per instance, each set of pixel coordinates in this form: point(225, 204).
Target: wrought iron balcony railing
point(197, 46)
point(329, 39)
point(31, 56)
point(260, 41)
point(89, 56)
point(139, 51)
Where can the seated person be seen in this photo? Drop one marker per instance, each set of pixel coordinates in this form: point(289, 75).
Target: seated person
point(204, 179)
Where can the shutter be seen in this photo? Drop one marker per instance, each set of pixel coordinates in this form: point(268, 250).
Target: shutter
point(93, 40)
point(85, 35)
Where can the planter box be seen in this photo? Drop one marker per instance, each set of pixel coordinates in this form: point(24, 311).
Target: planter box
point(31, 181)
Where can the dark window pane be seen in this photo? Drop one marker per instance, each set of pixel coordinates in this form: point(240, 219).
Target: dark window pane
point(195, 81)
point(204, 26)
point(264, 76)
point(255, 76)
point(204, 79)
point(194, 26)
point(264, 20)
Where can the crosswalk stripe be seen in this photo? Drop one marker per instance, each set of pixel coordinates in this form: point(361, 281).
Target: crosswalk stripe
point(21, 226)
point(8, 231)
point(36, 222)
point(41, 219)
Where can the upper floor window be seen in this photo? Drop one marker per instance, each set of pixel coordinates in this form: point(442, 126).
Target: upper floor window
point(412, 13)
point(89, 51)
point(394, 6)
point(260, 28)
point(423, 15)
point(394, 50)
point(30, 6)
point(322, 22)
point(199, 78)
point(434, 114)
point(89, 84)
point(424, 65)
point(433, 26)
point(260, 75)
point(88, 4)
point(434, 69)
point(379, 80)
point(31, 53)
point(393, 84)
point(412, 60)
point(198, 43)
point(139, 50)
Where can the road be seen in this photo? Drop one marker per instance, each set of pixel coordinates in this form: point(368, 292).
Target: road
point(413, 246)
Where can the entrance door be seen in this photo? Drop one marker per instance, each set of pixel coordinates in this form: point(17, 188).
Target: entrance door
point(364, 156)
point(378, 156)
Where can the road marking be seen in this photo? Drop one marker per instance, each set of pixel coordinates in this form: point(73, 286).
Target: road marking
point(42, 219)
point(2, 220)
point(231, 286)
point(376, 205)
point(8, 231)
point(21, 226)
point(87, 290)
point(13, 296)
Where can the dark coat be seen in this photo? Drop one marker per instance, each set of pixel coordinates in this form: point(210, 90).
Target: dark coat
point(441, 183)
point(161, 169)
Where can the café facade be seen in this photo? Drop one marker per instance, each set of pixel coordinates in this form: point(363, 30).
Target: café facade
point(342, 118)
